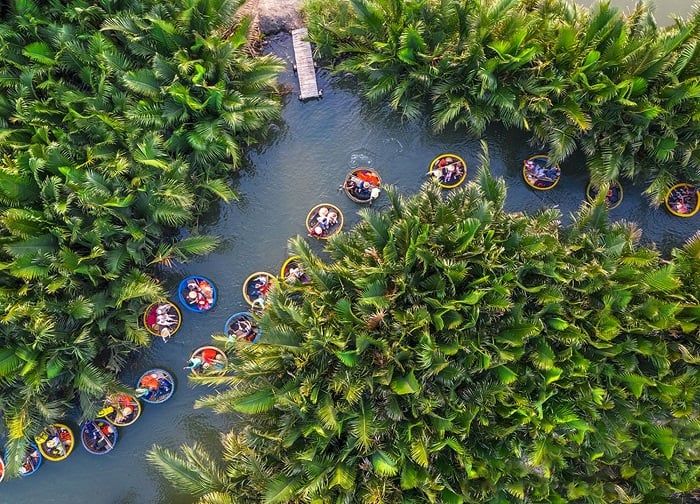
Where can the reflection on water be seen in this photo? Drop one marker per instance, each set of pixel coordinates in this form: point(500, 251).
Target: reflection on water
point(303, 163)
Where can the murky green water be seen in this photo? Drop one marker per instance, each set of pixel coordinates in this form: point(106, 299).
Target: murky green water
point(302, 165)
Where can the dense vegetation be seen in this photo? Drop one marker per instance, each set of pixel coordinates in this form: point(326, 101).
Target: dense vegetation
point(120, 121)
point(452, 352)
point(624, 90)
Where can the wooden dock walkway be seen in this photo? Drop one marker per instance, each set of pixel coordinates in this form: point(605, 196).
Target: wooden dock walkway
point(306, 72)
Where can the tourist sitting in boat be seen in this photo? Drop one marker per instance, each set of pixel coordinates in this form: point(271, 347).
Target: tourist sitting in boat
point(152, 386)
point(539, 174)
point(448, 170)
point(163, 320)
point(262, 285)
point(324, 221)
point(57, 442)
point(208, 359)
point(242, 329)
point(362, 185)
point(96, 436)
point(200, 294)
point(31, 461)
point(295, 274)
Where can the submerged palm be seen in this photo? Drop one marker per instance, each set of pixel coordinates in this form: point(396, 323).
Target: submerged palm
point(453, 352)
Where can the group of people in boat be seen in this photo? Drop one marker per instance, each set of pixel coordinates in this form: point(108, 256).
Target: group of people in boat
point(98, 436)
point(199, 294)
point(448, 170)
point(242, 329)
point(163, 319)
point(153, 387)
point(30, 462)
point(56, 441)
point(363, 185)
point(121, 409)
point(208, 359)
point(540, 174)
point(683, 199)
point(323, 222)
point(295, 273)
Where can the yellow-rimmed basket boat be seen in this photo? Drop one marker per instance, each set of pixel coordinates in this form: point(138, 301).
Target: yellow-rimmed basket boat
point(683, 200)
point(612, 199)
point(548, 180)
point(56, 442)
point(444, 163)
point(292, 271)
point(121, 410)
point(257, 286)
point(207, 360)
point(150, 319)
point(317, 224)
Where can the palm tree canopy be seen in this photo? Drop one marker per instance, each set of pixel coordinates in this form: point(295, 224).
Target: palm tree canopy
point(453, 352)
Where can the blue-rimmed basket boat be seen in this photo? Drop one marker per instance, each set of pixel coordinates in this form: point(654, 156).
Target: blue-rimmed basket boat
point(32, 461)
point(94, 438)
point(254, 334)
point(183, 290)
point(56, 452)
point(165, 390)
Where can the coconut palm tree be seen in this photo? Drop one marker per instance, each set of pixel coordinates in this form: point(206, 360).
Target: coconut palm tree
point(453, 352)
point(120, 123)
point(618, 87)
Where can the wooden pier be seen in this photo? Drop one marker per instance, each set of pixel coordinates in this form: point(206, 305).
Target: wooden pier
point(306, 71)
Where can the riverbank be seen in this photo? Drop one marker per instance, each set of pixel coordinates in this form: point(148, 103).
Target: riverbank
point(275, 16)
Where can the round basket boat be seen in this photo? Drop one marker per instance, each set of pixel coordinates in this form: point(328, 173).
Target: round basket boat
point(2, 469)
point(121, 409)
point(449, 170)
point(257, 287)
point(98, 436)
point(612, 199)
point(683, 200)
point(241, 326)
point(162, 319)
point(55, 442)
point(292, 271)
point(155, 386)
point(321, 223)
point(360, 184)
point(207, 360)
point(538, 173)
point(32, 461)
point(197, 293)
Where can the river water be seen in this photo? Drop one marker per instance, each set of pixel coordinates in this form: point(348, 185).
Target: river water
point(302, 165)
